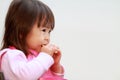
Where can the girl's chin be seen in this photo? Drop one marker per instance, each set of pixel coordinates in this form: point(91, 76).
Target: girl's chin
point(39, 50)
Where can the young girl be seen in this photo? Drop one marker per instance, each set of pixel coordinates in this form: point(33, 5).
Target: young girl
point(26, 52)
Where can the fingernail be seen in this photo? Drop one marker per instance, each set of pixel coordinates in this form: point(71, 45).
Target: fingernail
point(56, 51)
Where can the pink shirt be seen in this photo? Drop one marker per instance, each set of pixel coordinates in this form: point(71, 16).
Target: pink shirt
point(16, 66)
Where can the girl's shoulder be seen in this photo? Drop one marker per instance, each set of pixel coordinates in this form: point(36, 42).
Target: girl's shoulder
point(11, 52)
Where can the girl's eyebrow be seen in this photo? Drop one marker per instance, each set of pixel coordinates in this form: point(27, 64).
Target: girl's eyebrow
point(50, 29)
point(47, 28)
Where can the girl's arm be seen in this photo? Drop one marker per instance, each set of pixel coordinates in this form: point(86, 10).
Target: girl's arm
point(16, 66)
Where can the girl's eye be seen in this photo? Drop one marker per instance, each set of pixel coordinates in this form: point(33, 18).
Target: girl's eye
point(50, 31)
point(44, 30)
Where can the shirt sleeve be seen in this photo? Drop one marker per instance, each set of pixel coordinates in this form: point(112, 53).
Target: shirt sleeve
point(16, 66)
point(50, 75)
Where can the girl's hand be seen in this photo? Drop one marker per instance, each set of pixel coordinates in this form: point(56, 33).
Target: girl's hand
point(48, 49)
point(56, 54)
point(56, 67)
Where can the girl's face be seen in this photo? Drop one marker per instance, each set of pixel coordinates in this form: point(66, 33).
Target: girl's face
point(38, 37)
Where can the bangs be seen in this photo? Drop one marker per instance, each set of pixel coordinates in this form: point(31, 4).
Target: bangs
point(45, 17)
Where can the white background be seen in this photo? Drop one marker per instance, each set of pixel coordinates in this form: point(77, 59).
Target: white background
point(88, 33)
